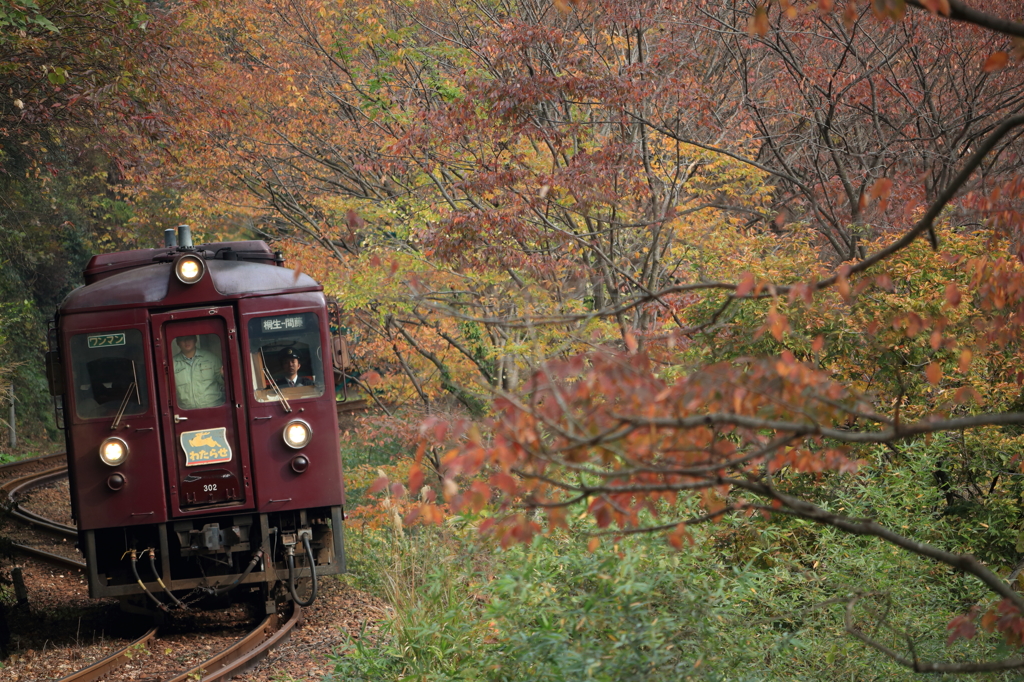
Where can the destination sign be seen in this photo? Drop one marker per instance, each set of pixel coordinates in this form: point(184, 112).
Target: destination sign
point(104, 340)
point(284, 323)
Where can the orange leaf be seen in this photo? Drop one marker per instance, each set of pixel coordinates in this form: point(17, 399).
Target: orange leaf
point(759, 22)
point(593, 544)
point(995, 62)
point(746, 284)
point(934, 373)
point(378, 485)
point(965, 359)
point(952, 295)
point(850, 15)
point(415, 478)
point(937, 6)
point(843, 285)
point(988, 621)
point(881, 189)
point(777, 324)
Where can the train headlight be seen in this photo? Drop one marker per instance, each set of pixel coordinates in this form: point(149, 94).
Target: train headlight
point(297, 434)
point(113, 451)
point(190, 269)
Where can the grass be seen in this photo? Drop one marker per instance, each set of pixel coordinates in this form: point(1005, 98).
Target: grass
point(750, 600)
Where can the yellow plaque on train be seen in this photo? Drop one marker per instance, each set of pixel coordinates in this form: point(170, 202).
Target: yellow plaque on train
point(208, 446)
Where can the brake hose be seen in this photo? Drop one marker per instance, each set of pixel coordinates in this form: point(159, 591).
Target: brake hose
point(291, 573)
point(135, 572)
point(152, 565)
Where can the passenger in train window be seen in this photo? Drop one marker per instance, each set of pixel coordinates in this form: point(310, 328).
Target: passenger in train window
point(198, 375)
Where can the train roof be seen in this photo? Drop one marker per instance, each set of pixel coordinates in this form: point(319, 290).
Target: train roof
point(144, 277)
point(108, 264)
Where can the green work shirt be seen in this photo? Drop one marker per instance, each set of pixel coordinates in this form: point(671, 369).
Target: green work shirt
point(198, 380)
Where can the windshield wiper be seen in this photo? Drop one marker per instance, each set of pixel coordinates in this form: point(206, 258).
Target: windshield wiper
point(127, 396)
point(270, 378)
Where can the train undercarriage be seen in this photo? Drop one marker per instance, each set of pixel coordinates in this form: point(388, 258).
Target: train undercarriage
point(185, 561)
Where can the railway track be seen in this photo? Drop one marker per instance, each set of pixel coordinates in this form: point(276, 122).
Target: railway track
point(19, 477)
point(229, 662)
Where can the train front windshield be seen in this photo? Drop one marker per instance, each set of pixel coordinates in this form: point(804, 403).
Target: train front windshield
point(109, 374)
point(286, 357)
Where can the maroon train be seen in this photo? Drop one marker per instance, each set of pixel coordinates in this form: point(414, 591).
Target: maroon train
point(196, 467)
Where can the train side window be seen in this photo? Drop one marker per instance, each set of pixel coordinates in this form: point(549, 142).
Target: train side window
point(286, 357)
point(109, 374)
point(198, 371)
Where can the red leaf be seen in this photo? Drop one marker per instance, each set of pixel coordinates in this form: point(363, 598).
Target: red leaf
point(378, 485)
point(961, 627)
point(505, 483)
point(352, 218)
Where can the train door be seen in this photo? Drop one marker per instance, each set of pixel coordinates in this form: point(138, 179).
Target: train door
point(204, 418)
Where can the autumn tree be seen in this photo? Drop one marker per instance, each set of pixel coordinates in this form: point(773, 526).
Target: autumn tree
point(690, 246)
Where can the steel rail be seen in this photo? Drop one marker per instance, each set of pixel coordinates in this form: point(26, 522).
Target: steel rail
point(244, 653)
point(32, 460)
point(43, 523)
point(49, 557)
point(97, 671)
point(15, 486)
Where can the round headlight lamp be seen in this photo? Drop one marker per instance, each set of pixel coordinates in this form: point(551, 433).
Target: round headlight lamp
point(190, 269)
point(113, 451)
point(297, 434)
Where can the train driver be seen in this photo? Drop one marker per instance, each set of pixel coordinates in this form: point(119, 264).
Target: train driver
point(198, 375)
point(290, 366)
